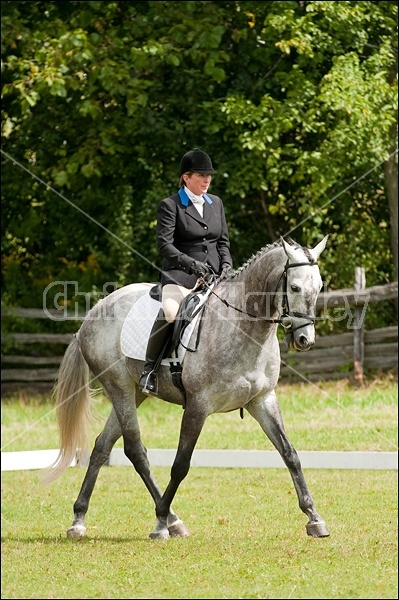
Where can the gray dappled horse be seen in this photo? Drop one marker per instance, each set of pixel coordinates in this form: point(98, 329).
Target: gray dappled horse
point(236, 366)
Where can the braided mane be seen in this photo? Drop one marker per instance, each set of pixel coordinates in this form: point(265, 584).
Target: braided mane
point(267, 248)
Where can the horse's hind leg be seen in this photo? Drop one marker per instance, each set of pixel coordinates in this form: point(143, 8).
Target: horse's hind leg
point(101, 451)
point(266, 411)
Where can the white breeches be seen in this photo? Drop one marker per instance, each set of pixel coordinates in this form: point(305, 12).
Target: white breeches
point(172, 297)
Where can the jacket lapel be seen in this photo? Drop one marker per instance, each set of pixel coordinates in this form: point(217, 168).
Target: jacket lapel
point(193, 212)
point(208, 211)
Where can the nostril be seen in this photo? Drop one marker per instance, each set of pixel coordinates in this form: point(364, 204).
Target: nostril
point(303, 341)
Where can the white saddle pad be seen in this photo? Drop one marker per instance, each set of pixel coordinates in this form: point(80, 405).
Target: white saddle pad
point(138, 324)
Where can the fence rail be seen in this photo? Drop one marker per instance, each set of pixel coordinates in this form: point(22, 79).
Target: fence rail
point(353, 297)
point(333, 356)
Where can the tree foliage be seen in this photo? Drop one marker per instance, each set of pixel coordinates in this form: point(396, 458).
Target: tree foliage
point(294, 101)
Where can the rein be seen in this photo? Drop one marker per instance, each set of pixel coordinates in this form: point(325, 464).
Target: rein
point(286, 317)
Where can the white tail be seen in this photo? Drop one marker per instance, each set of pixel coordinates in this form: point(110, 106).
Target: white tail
point(72, 395)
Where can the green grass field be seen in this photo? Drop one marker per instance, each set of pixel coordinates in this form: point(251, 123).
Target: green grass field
point(248, 536)
point(328, 416)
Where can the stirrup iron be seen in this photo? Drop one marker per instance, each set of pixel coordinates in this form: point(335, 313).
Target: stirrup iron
point(149, 374)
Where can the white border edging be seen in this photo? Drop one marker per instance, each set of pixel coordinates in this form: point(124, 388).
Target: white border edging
point(42, 459)
point(29, 459)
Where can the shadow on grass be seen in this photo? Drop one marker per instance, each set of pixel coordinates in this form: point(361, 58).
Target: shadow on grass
point(63, 539)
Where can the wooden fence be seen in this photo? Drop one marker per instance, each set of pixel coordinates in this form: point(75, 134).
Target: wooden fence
point(333, 356)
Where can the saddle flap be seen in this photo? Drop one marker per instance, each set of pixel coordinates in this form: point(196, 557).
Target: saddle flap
point(140, 319)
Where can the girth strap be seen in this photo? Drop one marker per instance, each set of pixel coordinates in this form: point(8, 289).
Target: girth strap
point(176, 372)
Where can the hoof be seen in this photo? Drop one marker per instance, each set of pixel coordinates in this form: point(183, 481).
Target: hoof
point(161, 531)
point(162, 534)
point(76, 532)
point(317, 529)
point(178, 529)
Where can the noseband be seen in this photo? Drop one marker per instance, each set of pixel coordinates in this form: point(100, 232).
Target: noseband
point(287, 316)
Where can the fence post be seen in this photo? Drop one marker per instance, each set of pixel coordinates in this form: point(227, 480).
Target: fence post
point(358, 329)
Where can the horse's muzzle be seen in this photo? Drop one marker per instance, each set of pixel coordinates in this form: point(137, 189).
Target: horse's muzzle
point(298, 341)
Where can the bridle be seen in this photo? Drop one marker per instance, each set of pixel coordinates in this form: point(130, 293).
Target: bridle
point(287, 313)
point(287, 317)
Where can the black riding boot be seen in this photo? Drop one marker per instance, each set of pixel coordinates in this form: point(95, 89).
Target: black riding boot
point(158, 339)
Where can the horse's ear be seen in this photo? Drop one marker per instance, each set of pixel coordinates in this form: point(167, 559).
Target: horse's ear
point(317, 250)
point(289, 250)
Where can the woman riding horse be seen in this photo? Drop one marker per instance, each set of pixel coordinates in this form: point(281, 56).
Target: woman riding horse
point(192, 239)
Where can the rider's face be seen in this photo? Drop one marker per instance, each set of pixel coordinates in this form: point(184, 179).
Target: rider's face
point(197, 183)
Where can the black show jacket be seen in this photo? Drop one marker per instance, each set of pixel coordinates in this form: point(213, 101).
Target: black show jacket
point(183, 236)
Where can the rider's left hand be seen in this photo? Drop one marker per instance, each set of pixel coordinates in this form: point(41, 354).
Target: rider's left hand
point(225, 271)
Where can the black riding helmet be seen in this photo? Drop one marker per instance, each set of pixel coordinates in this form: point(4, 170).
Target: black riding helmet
point(196, 161)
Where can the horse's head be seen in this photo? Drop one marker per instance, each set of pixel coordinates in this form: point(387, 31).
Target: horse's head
point(301, 286)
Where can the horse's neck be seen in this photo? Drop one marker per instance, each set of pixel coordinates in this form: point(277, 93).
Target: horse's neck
point(262, 276)
point(260, 281)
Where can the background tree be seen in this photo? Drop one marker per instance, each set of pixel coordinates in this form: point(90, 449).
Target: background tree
point(294, 101)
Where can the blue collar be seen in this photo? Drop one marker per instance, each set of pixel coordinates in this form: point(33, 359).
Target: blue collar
point(184, 199)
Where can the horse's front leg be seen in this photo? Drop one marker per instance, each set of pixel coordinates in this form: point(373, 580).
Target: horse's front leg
point(266, 411)
point(191, 426)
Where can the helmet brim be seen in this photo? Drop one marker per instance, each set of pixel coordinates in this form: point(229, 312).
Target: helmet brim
point(202, 171)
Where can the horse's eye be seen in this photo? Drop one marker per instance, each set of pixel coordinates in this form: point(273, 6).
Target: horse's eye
point(295, 288)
